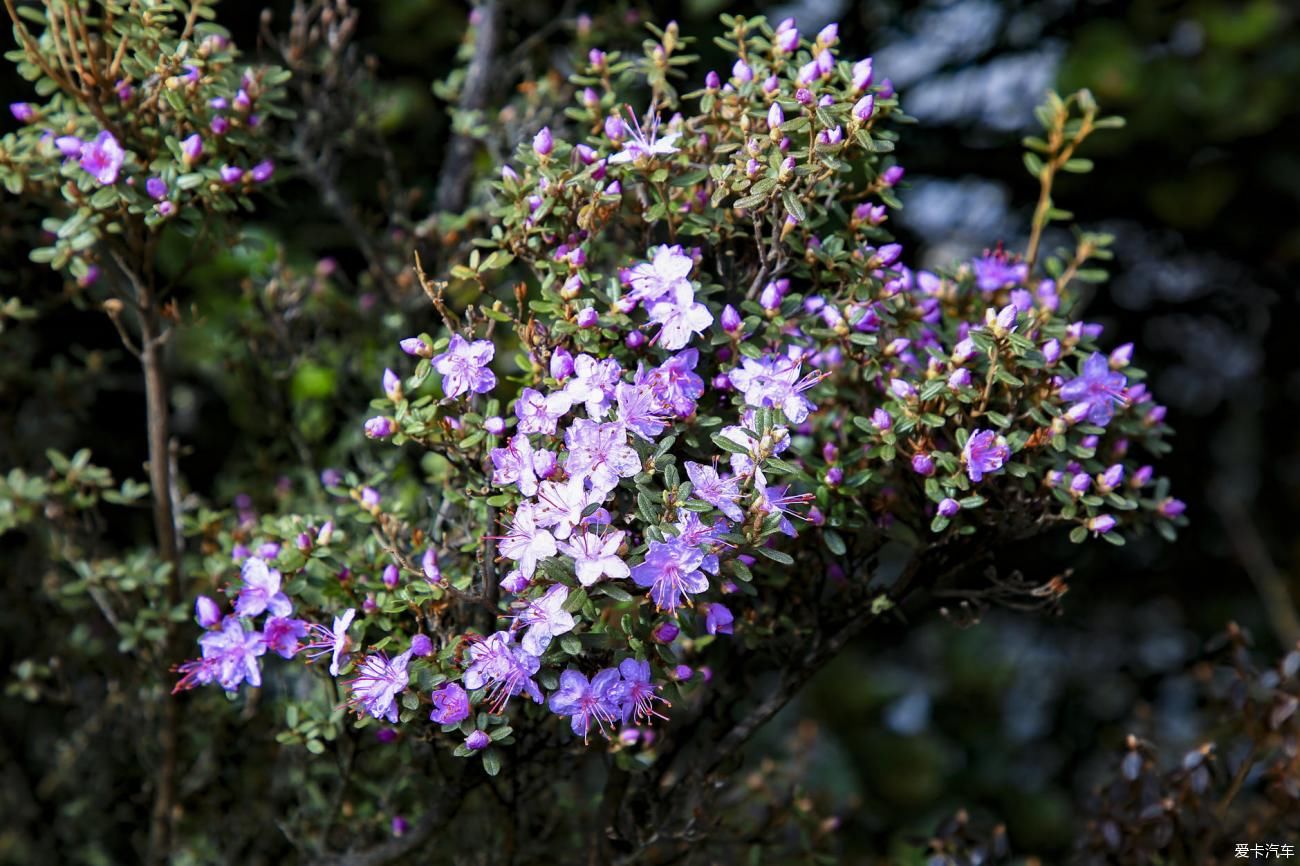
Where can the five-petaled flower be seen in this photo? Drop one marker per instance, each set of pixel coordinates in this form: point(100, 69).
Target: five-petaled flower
point(464, 367)
point(1097, 388)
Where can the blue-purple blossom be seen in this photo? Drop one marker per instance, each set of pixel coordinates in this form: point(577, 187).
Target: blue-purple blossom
point(668, 268)
point(675, 383)
point(718, 619)
point(378, 682)
point(637, 693)
point(102, 158)
point(513, 464)
point(333, 642)
point(587, 702)
point(229, 658)
point(538, 412)
point(206, 611)
point(261, 591)
point(642, 145)
point(527, 542)
point(680, 316)
point(545, 618)
point(985, 452)
point(599, 453)
point(464, 367)
point(773, 380)
point(995, 271)
point(671, 571)
point(499, 664)
point(949, 507)
point(596, 556)
point(450, 704)
point(720, 492)
point(593, 384)
point(1097, 388)
point(638, 410)
point(282, 635)
point(560, 505)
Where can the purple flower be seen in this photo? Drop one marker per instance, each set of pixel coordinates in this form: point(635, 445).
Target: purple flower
point(666, 632)
point(156, 188)
point(923, 464)
point(995, 271)
point(786, 40)
point(498, 663)
point(985, 452)
point(378, 682)
point(881, 420)
point(681, 316)
point(527, 542)
point(545, 618)
point(586, 702)
point(660, 277)
point(380, 427)
point(102, 158)
point(722, 493)
point(191, 149)
point(948, 507)
point(862, 74)
point(23, 112)
point(1101, 524)
point(594, 383)
point(206, 611)
point(538, 412)
point(773, 380)
point(560, 505)
point(1097, 388)
point(477, 741)
point(588, 317)
point(333, 642)
point(231, 174)
point(642, 145)
point(671, 571)
point(262, 171)
point(464, 367)
point(543, 142)
point(599, 453)
point(229, 658)
point(514, 465)
point(450, 705)
point(282, 635)
point(421, 646)
point(674, 383)
point(429, 565)
point(637, 694)
point(417, 347)
point(261, 590)
point(718, 619)
point(596, 556)
point(731, 321)
point(638, 410)
point(1171, 507)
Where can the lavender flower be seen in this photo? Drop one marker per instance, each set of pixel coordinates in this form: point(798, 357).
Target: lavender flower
point(499, 664)
point(638, 410)
point(671, 571)
point(261, 590)
point(378, 682)
point(103, 158)
point(637, 693)
point(774, 381)
point(527, 542)
point(587, 702)
point(1097, 389)
point(995, 271)
point(514, 465)
point(282, 635)
point(641, 146)
point(230, 657)
point(596, 556)
point(594, 383)
point(464, 367)
point(450, 705)
point(206, 611)
point(477, 741)
point(722, 493)
point(538, 412)
point(545, 618)
point(718, 619)
point(599, 453)
point(660, 277)
point(985, 452)
point(333, 642)
point(681, 316)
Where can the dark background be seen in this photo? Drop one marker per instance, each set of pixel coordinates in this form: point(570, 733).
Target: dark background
point(1020, 715)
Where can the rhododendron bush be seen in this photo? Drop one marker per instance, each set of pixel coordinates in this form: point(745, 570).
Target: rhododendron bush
point(678, 420)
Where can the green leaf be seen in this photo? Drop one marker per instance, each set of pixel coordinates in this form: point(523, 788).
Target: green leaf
point(491, 761)
point(793, 205)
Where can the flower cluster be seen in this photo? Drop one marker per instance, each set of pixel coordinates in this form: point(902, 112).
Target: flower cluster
point(641, 450)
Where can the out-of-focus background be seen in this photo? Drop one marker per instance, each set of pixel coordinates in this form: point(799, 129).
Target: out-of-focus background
point(1016, 716)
